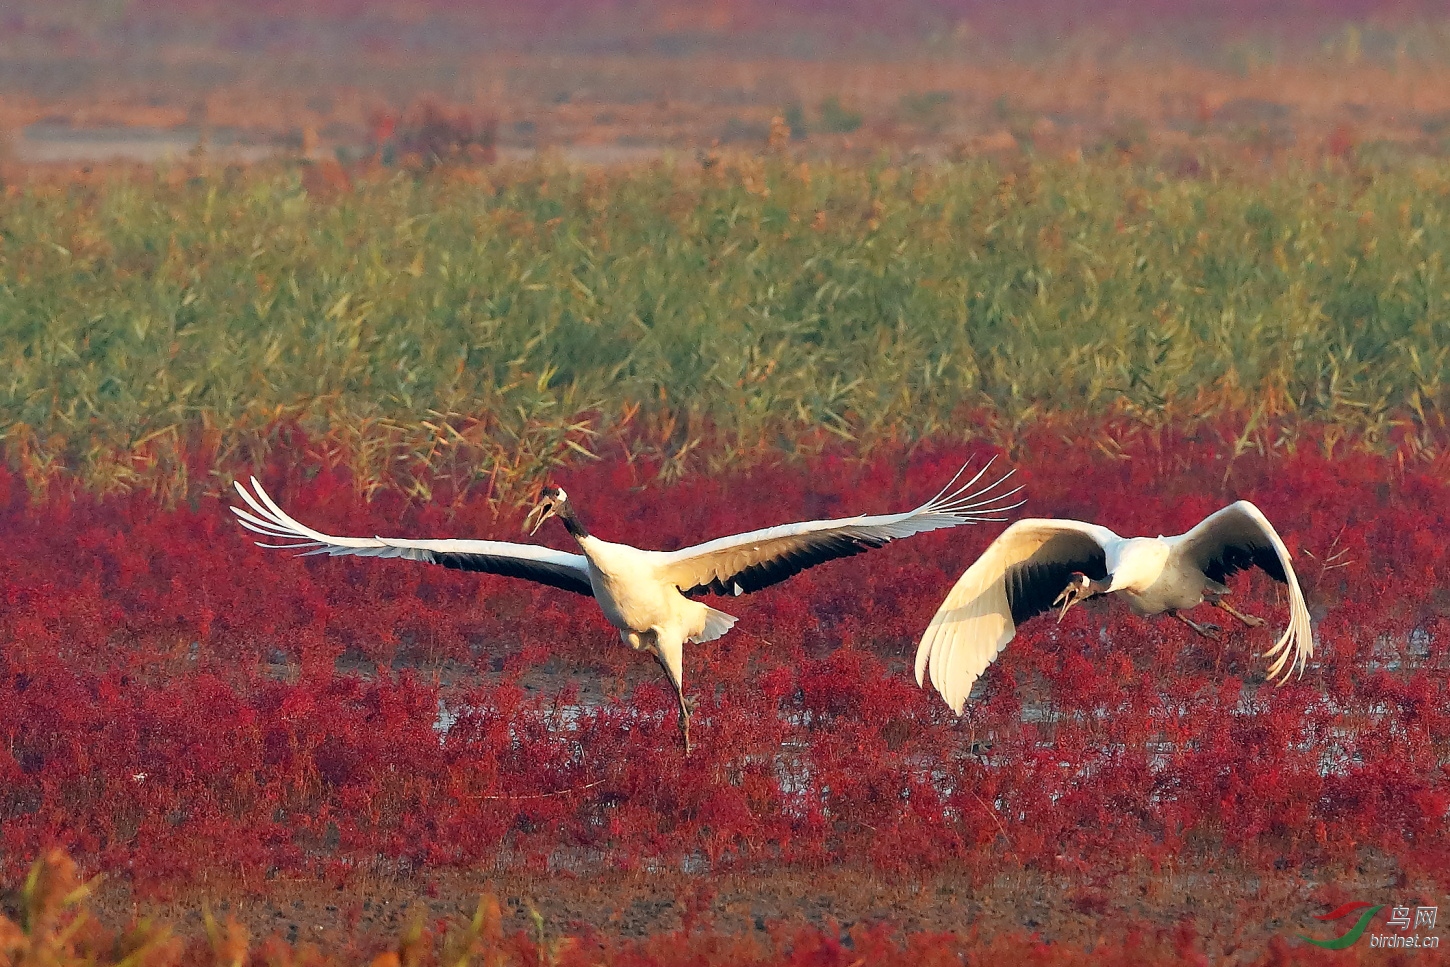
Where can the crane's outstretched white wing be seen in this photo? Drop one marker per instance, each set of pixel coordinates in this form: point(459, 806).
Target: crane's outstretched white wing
point(749, 562)
point(1018, 576)
point(531, 562)
point(1240, 537)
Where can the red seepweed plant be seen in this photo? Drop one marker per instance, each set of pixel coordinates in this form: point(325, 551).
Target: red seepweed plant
point(174, 700)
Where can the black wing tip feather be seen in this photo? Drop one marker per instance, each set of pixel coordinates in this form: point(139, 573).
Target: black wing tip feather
point(1247, 542)
point(1242, 557)
point(563, 579)
point(1035, 583)
point(1031, 589)
point(758, 577)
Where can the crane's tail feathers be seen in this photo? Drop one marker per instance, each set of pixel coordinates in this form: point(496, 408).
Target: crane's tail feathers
point(716, 624)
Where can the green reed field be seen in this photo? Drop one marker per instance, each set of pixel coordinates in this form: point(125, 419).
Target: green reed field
point(486, 325)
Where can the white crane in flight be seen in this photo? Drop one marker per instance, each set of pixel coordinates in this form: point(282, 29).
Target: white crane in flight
point(647, 594)
point(1036, 565)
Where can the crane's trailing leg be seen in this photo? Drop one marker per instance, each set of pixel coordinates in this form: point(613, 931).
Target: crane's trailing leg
point(1218, 602)
point(1208, 631)
point(670, 654)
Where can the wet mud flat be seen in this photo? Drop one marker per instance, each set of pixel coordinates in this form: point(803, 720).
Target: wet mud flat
point(1235, 912)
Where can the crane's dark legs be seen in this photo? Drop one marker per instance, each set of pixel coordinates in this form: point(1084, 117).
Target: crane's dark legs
point(685, 704)
point(1208, 631)
point(1248, 619)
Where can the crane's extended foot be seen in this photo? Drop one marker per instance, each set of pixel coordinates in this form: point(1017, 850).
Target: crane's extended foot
point(685, 708)
point(1208, 631)
point(1252, 621)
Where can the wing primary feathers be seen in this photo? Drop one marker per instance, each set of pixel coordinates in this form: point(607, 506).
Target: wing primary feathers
point(531, 562)
point(514, 569)
point(1015, 578)
point(1237, 538)
point(978, 505)
point(957, 476)
point(743, 563)
point(1033, 585)
point(757, 577)
point(1242, 557)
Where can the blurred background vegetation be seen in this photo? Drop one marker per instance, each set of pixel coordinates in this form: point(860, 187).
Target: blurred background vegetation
point(468, 242)
point(472, 321)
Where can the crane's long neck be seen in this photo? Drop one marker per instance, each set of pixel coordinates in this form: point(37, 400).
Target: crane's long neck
point(572, 523)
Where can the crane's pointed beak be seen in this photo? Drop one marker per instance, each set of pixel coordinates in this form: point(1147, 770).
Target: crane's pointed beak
point(1078, 589)
point(1066, 599)
point(542, 511)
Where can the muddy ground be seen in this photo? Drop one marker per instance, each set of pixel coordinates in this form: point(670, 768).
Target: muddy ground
point(1234, 912)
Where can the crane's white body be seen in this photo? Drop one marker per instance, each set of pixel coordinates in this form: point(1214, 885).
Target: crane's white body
point(1141, 572)
point(634, 591)
point(644, 593)
point(1033, 560)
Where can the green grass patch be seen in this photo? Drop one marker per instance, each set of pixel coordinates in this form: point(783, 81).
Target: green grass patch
point(488, 325)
